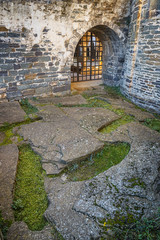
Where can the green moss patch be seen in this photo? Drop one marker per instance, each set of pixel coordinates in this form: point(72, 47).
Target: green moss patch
point(4, 225)
point(7, 129)
point(136, 182)
point(153, 124)
point(113, 126)
point(27, 107)
point(109, 156)
point(7, 139)
point(114, 92)
point(130, 228)
point(30, 200)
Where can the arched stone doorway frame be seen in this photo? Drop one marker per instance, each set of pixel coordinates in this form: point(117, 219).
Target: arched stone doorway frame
point(119, 35)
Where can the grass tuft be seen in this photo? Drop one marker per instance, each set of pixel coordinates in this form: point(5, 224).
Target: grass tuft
point(30, 200)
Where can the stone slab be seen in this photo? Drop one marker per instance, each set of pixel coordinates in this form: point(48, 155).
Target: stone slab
point(91, 119)
point(8, 165)
point(71, 224)
point(66, 101)
point(11, 112)
point(50, 113)
point(130, 109)
point(131, 132)
point(59, 142)
point(96, 90)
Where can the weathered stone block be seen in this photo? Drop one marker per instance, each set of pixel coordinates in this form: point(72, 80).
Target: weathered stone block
point(43, 90)
point(3, 73)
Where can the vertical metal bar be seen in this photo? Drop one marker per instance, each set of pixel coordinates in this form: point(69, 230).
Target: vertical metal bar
point(78, 63)
point(84, 68)
point(91, 56)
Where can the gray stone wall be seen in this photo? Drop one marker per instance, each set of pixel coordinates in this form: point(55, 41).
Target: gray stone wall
point(38, 41)
point(141, 78)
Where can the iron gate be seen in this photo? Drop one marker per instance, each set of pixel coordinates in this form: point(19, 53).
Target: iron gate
point(87, 59)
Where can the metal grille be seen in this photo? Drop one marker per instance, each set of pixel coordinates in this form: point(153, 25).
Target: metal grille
point(87, 59)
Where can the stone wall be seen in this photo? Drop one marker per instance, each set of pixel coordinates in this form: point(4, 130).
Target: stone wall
point(141, 78)
point(38, 41)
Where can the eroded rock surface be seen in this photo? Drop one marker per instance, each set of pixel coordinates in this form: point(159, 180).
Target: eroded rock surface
point(19, 230)
point(59, 142)
point(130, 188)
point(92, 119)
point(8, 166)
point(64, 135)
point(71, 224)
point(11, 112)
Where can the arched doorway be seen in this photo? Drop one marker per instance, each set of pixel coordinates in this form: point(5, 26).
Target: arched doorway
point(99, 55)
point(88, 57)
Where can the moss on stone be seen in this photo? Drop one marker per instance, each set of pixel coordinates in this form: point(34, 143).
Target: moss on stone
point(95, 102)
point(153, 124)
point(30, 200)
point(131, 228)
point(109, 156)
point(136, 182)
point(27, 107)
point(114, 125)
point(7, 139)
point(4, 225)
point(7, 129)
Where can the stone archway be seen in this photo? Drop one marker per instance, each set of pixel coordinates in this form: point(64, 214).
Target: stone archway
point(112, 59)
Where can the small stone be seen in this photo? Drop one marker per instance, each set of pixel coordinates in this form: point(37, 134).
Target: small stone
point(50, 168)
point(64, 177)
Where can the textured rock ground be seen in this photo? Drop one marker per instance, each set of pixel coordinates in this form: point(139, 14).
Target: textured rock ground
point(64, 134)
point(67, 134)
point(61, 211)
point(130, 188)
point(130, 108)
point(8, 166)
point(59, 142)
point(11, 112)
point(92, 119)
point(20, 231)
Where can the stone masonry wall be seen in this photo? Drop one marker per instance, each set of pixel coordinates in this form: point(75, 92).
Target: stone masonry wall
point(38, 40)
point(141, 78)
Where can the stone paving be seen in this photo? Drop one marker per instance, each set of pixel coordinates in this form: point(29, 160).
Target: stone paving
point(68, 133)
point(11, 112)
